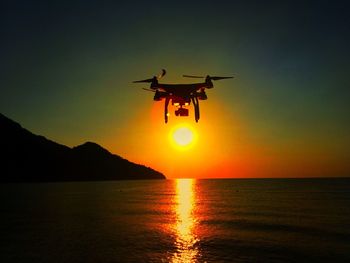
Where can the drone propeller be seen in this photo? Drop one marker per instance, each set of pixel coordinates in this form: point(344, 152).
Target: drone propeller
point(211, 78)
point(149, 90)
point(162, 74)
point(143, 81)
point(152, 79)
point(218, 78)
point(191, 76)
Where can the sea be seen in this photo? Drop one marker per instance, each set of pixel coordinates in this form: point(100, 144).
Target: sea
point(183, 220)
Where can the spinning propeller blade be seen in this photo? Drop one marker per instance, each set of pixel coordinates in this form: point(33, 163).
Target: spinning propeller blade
point(191, 76)
point(143, 81)
point(151, 90)
point(212, 78)
point(152, 79)
point(162, 74)
point(218, 78)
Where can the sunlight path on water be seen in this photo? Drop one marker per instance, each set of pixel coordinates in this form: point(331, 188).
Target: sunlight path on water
point(185, 223)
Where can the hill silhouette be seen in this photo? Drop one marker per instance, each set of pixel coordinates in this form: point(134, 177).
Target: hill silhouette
point(26, 157)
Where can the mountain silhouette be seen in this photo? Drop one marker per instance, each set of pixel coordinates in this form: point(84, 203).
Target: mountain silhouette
point(26, 157)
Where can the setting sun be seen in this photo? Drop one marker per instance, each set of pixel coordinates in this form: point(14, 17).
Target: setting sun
point(183, 136)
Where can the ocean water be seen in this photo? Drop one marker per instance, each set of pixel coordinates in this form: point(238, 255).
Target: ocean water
point(238, 220)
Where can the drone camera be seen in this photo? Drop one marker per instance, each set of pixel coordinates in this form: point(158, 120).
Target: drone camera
point(181, 112)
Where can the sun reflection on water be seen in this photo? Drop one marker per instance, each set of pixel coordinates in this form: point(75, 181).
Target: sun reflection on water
point(186, 239)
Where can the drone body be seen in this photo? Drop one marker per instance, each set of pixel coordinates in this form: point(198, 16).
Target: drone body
point(180, 95)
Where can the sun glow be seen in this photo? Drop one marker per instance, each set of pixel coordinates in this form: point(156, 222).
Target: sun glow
point(183, 137)
point(207, 155)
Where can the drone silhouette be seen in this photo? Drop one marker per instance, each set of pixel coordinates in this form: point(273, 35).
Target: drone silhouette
point(181, 95)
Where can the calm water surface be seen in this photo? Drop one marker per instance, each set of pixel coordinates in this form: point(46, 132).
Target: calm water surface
point(264, 220)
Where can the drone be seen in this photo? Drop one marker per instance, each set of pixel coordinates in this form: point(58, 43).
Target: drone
point(180, 95)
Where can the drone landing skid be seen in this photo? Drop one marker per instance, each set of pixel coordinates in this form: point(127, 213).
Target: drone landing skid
point(166, 113)
point(196, 108)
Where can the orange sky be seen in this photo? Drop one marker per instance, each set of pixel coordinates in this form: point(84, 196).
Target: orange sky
point(224, 146)
point(150, 141)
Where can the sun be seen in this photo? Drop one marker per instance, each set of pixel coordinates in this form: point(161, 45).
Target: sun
point(183, 136)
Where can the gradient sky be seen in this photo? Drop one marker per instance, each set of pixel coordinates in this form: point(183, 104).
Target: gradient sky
point(67, 68)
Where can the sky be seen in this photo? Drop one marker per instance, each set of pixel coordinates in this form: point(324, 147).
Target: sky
point(67, 67)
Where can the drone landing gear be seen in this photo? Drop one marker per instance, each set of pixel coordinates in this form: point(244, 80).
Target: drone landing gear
point(196, 108)
point(166, 114)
